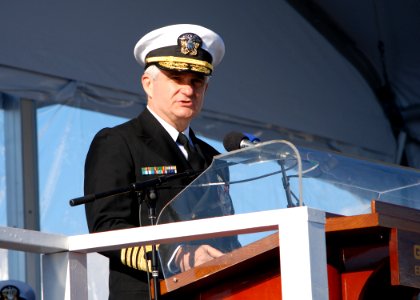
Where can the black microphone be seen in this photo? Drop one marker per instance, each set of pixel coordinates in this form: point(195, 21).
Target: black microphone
point(237, 140)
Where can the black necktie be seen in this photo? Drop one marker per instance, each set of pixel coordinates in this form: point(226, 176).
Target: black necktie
point(194, 158)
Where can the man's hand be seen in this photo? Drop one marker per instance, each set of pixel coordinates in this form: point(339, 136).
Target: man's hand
point(188, 257)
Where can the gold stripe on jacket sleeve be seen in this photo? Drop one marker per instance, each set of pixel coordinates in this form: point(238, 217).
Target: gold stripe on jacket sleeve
point(128, 256)
point(122, 256)
point(134, 257)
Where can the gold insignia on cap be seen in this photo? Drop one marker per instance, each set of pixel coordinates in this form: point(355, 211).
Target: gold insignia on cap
point(182, 63)
point(189, 43)
point(174, 65)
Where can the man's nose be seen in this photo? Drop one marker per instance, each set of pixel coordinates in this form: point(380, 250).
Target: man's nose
point(187, 88)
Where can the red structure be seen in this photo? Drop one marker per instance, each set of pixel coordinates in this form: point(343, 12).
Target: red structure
point(370, 256)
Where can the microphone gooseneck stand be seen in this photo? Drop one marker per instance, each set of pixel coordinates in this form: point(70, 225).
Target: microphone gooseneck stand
point(150, 196)
point(146, 191)
point(286, 185)
point(134, 187)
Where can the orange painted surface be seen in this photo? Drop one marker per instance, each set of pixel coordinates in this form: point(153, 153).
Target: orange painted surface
point(266, 288)
point(353, 283)
point(269, 288)
point(334, 283)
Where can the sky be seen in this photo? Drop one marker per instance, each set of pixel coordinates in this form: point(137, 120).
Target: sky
point(64, 136)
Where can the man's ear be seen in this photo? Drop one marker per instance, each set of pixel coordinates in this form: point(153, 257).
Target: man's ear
point(147, 83)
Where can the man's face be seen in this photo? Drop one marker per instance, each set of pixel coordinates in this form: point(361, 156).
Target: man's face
point(177, 97)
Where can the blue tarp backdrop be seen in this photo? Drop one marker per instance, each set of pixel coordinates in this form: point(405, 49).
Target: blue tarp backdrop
point(281, 76)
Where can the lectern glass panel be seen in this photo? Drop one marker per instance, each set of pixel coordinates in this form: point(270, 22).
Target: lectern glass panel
point(275, 175)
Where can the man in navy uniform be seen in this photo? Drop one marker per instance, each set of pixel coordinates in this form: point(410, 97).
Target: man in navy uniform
point(178, 61)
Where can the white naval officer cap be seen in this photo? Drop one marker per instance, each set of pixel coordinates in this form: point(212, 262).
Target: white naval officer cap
point(181, 47)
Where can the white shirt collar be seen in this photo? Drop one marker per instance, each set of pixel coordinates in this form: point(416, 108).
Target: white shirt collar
point(169, 128)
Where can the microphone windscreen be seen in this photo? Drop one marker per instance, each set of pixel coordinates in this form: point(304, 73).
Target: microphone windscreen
point(232, 141)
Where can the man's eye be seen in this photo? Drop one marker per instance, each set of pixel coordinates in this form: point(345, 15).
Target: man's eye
point(176, 78)
point(198, 83)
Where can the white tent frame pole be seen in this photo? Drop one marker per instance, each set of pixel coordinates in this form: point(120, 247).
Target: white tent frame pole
point(22, 195)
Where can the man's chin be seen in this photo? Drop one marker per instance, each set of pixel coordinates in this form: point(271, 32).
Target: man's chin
point(186, 113)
